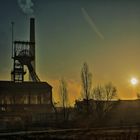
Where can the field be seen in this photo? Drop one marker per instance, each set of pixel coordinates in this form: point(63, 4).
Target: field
point(118, 133)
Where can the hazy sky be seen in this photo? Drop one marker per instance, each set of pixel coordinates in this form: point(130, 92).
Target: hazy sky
point(104, 33)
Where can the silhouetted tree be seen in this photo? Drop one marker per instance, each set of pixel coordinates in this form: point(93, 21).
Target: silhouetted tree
point(54, 105)
point(86, 78)
point(138, 95)
point(103, 97)
point(64, 97)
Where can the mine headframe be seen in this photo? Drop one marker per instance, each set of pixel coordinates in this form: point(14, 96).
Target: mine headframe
point(23, 56)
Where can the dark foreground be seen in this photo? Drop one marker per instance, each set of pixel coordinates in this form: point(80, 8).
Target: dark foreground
point(120, 133)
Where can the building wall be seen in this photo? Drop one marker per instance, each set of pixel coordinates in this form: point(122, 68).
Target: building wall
point(16, 95)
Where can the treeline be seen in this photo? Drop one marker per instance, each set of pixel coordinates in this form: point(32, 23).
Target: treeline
point(95, 103)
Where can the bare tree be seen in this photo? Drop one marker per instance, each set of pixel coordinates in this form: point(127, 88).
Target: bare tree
point(64, 97)
point(138, 95)
point(111, 91)
point(103, 97)
point(86, 78)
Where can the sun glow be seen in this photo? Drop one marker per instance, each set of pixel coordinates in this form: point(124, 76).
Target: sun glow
point(134, 81)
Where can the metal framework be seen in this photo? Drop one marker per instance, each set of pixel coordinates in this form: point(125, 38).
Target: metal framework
point(22, 56)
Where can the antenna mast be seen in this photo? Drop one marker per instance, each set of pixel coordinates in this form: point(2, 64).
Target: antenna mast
point(12, 23)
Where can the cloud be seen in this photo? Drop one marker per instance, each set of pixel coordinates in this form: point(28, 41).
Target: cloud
point(26, 6)
point(73, 87)
point(91, 23)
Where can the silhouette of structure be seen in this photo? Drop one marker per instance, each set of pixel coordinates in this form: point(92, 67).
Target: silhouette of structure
point(25, 100)
point(24, 55)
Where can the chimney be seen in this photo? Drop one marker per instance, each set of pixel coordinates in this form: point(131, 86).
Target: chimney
point(32, 30)
point(32, 40)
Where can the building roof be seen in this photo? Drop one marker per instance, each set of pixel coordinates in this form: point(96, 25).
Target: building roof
point(12, 87)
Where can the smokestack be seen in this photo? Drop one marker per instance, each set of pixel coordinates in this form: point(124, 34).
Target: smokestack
point(32, 30)
point(32, 40)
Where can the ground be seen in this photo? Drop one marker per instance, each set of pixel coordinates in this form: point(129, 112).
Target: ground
point(118, 133)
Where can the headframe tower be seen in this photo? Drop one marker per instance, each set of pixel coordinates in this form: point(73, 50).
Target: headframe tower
point(23, 53)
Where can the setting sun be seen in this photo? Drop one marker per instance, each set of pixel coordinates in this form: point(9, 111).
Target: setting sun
point(134, 81)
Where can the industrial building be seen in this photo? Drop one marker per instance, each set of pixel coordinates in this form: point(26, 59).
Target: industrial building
point(31, 100)
point(13, 95)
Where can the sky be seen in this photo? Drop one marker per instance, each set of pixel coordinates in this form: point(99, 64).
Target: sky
point(103, 33)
